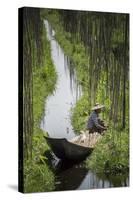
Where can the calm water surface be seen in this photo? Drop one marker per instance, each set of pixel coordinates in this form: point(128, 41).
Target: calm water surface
point(57, 117)
point(57, 123)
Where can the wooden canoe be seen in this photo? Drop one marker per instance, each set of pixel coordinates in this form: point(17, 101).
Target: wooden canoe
point(65, 149)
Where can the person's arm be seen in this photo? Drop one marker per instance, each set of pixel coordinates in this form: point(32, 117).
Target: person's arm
point(95, 120)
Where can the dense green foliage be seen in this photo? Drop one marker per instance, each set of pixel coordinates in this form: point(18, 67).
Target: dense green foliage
point(40, 82)
point(111, 154)
point(98, 46)
point(44, 79)
point(80, 114)
point(38, 177)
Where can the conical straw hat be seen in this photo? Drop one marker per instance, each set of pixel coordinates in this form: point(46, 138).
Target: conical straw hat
point(98, 106)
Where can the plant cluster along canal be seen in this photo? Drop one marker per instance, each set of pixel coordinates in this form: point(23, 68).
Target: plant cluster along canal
point(39, 82)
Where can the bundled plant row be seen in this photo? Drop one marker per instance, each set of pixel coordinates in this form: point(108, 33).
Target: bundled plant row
point(39, 81)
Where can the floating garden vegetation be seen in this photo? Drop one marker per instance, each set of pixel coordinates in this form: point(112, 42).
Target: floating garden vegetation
point(98, 45)
point(39, 82)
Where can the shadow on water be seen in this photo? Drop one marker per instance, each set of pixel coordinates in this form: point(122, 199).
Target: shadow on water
point(69, 174)
point(78, 177)
point(58, 165)
point(72, 175)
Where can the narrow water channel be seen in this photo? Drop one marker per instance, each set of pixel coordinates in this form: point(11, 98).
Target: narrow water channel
point(57, 117)
point(57, 122)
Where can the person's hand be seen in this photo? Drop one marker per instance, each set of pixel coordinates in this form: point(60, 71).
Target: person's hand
point(104, 128)
point(106, 125)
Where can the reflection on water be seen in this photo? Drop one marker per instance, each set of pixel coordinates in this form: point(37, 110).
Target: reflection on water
point(57, 123)
point(78, 177)
point(57, 116)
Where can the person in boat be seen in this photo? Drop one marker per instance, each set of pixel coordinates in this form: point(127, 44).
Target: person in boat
point(95, 124)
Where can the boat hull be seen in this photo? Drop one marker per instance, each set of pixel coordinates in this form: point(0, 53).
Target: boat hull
point(64, 149)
